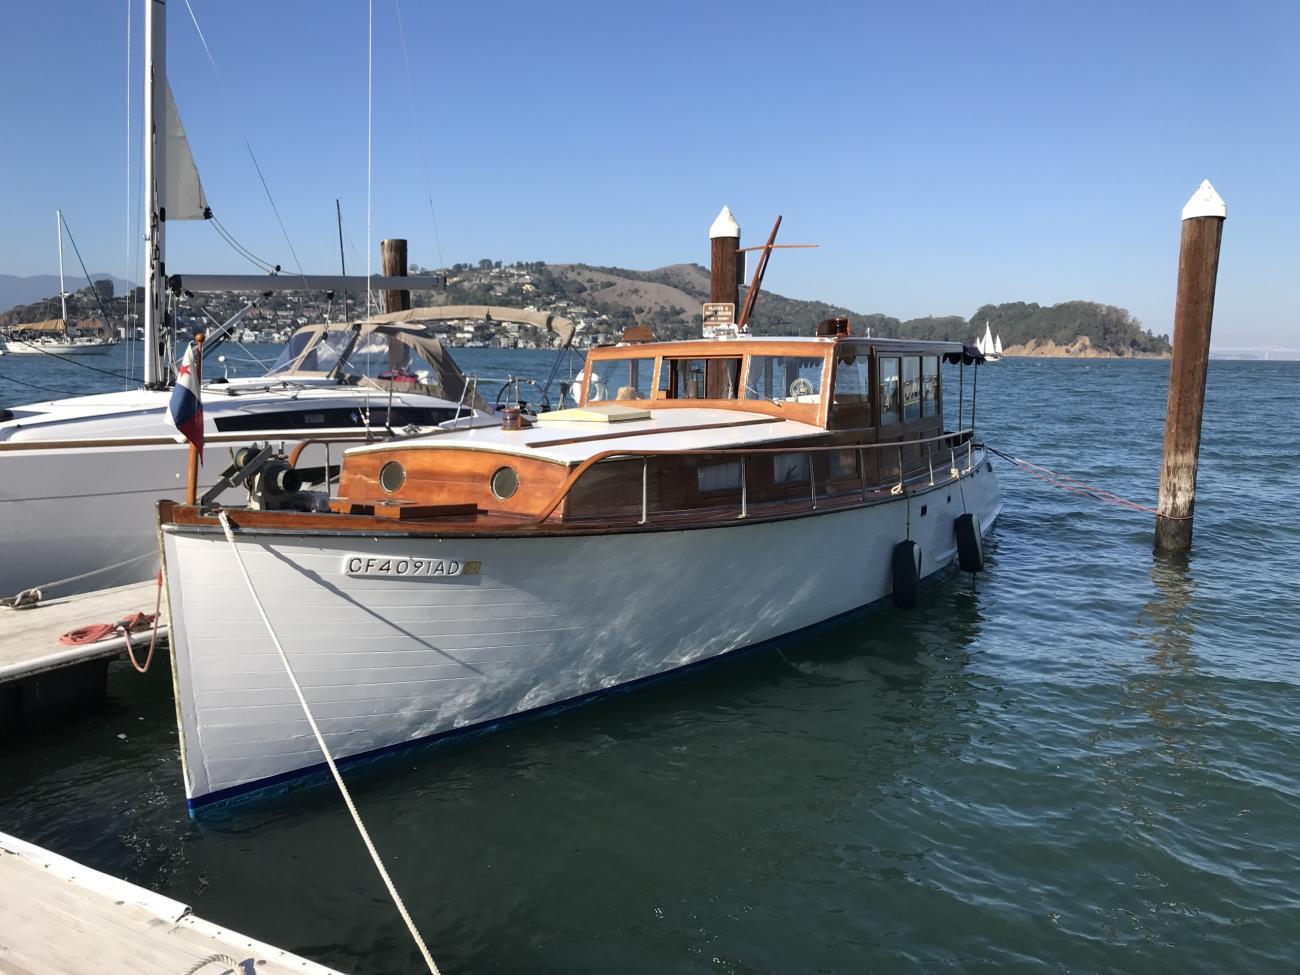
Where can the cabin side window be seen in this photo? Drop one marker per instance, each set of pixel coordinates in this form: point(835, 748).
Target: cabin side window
point(784, 379)
point(621, 379)
point(790, 469)
point(711, 478)
point(911, 387)
point(930, 385)
point(711, 378)
point(851, 394)
point(890, 411)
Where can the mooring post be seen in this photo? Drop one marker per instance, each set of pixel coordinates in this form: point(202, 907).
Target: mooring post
point(394, 254)
point(1198, 269)
point(724, 267)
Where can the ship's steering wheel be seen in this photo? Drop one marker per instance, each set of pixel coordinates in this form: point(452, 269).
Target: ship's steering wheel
point(544, 401)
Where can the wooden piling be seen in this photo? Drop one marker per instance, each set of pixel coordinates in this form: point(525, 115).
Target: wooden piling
point(394, 254)
point(1198, 269)
point(724, 268)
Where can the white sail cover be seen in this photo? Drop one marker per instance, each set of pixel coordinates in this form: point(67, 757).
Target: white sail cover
point(183, 193)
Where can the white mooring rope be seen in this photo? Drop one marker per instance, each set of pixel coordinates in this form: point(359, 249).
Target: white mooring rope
point(329, 759)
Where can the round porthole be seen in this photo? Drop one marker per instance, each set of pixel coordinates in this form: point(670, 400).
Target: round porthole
point(505, 482)
point(392, 476)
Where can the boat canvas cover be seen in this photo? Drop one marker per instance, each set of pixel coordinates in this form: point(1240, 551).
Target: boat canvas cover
point(48, 325)
point(446, 381)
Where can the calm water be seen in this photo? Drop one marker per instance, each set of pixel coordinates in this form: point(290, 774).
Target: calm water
point(1082, 760)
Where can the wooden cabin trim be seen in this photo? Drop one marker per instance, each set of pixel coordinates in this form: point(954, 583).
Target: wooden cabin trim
point(725, 453)
point(814, 414)
point(458, 475)
point(650, 431)
point(808, 413)
point(190, 518)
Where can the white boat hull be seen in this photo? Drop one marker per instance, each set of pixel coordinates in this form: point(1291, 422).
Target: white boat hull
point(385, 661)
point(68, 513)
point(19, 347)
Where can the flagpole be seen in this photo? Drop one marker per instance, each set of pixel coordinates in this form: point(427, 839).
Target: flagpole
point(192, 485)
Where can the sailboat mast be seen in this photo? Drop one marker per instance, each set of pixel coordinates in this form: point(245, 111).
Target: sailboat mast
point(63, 292)
point(155, 139)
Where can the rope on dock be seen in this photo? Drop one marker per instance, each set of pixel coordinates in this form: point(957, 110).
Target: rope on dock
point(320, 740)
point(153, 637)
point(77, 578)
point(1072, 484)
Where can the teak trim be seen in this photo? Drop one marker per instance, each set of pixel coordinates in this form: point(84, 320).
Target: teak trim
point(650, 432)
point(730, 453)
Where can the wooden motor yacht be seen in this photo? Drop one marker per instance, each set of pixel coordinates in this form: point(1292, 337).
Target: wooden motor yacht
point(728, 492)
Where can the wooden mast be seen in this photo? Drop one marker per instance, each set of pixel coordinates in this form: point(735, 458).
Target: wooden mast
point(752, 295)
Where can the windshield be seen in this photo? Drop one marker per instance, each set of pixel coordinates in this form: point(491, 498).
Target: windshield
point(322, 357)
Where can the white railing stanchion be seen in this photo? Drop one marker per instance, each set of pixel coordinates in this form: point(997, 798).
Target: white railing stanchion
point(744, 486)
point(862, 470)
point(645, 499)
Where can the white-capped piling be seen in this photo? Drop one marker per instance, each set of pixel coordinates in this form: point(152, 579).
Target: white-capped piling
point(1198, 270)
point(724, 264)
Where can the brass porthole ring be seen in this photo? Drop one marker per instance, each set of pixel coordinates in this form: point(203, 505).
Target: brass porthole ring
point(504, 483)
point(392, 476)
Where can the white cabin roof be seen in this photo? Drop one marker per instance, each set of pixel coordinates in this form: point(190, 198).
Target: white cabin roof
point(662, 430)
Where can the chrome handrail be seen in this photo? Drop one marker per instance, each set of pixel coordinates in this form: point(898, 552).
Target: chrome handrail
point(743, 453)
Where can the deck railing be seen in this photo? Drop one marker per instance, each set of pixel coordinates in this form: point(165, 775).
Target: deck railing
point(951, 442)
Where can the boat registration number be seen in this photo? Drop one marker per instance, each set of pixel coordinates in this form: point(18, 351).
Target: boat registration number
point(404, 566)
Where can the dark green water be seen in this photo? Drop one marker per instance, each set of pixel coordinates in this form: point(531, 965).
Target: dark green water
point(1083, 760)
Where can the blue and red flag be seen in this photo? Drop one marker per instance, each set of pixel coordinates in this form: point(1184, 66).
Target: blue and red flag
point(186, 407)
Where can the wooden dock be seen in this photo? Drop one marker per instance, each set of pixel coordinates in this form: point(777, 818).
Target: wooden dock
point(57, 916)
point(42, 680)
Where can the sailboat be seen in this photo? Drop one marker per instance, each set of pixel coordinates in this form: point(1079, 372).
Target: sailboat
point(81, 474)
point(991, 347)
point(55, 336)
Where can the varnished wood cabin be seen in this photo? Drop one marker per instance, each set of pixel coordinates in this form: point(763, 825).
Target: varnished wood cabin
point(750, 427)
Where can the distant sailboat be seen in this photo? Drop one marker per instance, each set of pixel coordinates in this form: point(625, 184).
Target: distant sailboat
point(991, 347)
point(55, 336)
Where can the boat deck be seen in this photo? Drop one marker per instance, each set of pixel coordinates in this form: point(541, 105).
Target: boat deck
point(29, 638)
point(57, 916)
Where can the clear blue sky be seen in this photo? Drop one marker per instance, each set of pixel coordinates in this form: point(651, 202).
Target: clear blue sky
point(942, 154)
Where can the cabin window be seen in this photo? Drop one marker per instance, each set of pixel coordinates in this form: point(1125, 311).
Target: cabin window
point(911, 387)
point(712, 378)
point(851, 396)
point(844, 463)
point(621, 379)
point(930, 385)
point(784, 379)
point(790, 469)
point(381, 414)
point(889, 402)
point(719, 477)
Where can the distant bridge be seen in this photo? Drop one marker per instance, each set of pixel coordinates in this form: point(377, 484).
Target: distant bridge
point(1278, 352)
